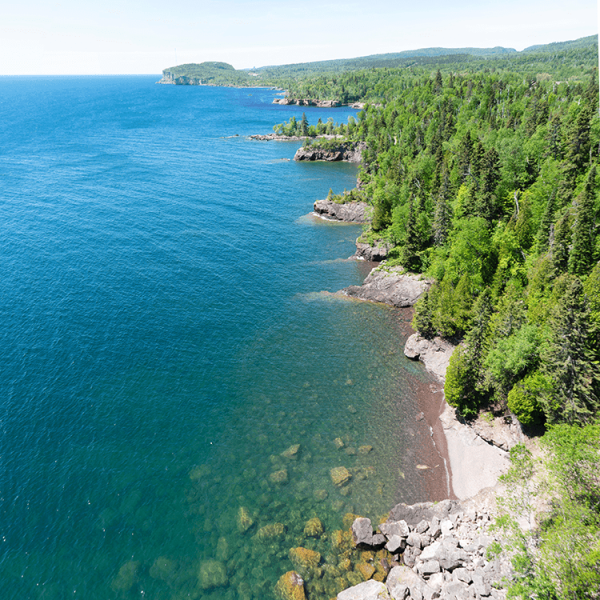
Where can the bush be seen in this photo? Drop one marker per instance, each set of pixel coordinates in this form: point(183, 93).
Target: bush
point(523, 399)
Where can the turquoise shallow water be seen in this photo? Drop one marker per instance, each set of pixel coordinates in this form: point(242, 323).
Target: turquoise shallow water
point(164, 338)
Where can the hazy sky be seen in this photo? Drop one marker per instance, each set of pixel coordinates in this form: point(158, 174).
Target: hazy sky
point(135, 36)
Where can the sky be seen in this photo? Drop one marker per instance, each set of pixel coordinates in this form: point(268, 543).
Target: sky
point(50, 37)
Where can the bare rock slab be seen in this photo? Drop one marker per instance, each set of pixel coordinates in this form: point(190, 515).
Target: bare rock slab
point(368, 590)
point(391, 285)
point(434, 354)
point(350, 212)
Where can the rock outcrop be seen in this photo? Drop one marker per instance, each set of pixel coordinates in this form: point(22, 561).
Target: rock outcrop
point(347, 152)
point(307, 102)
point(435, 353)
point(391, 285)
point(350, 212)
point(439, 552)
point(375, 253)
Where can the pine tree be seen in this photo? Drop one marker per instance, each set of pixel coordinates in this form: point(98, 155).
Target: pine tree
point(304, 125)
point(410, 258)
point(569, 360)
point(423, 319)
point(581, 256)
point(543, 235)
point(438, 82)
point(560, 245)
point(442, 217)
point(490, 176)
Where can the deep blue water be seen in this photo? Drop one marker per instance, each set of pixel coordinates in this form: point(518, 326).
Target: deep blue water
point(164, 338)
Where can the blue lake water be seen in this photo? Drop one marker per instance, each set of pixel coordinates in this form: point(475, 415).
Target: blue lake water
point(164, 338)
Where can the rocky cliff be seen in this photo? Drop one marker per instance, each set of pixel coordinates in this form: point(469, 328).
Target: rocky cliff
point(350, 212)
point(347, 152)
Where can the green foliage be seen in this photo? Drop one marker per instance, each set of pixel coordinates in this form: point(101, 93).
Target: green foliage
point(557, 554)
point(569, 359)
point(523, 398)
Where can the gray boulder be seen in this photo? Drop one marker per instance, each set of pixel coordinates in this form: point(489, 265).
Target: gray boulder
point(362, 531)
point(368, 590)
point(402, 582)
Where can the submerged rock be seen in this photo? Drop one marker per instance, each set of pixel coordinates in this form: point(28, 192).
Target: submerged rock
point(313, 527)
point(270, 531)
point(244, 520)
point(126, 577)
point(290, 587)
point(305, 561)
point(292, 451)
point(212, 574)
point(340, 476)
point(163, 568)
point(279, 476)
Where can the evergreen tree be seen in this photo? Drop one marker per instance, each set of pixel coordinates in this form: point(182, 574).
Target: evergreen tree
point(410, 257)
point(423, 319)
point(304, 125)
point(543, 234)
point(569, 360)
point(464, 383)
point(490, 175)
point(442, 217)
point(581, 256)
point(560, 245)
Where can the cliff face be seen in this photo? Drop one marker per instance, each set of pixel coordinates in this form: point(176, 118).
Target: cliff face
point(343, 152)
point(351, 212)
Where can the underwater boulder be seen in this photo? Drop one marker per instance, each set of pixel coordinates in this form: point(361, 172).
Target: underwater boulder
point(163, 568)
point(313, 527)
point(279, 476)
point(244, 520)
point(126, 577)
point(212, 574)
point(290, 587)
point(340, 476)
point(305, 561)
point(292, 451)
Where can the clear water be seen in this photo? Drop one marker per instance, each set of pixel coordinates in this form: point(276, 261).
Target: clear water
point(164, 338)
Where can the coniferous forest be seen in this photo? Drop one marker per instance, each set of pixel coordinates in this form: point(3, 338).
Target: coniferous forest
point(483, 176)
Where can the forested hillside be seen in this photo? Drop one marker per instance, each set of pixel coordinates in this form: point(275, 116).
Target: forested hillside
point(486, 180)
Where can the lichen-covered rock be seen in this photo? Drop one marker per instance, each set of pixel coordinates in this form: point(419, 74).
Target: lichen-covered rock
point(244, 520)
point(126, 577)
point(313, 527)
point(368, 590)
point(290, 587)
point(163, 568)
point(212, 574)
point(340, 476)
point(270, 531)
point(279, 476)
point(366, 570)
point(304, 560)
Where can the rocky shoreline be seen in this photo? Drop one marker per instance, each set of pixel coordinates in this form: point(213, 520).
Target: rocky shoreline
point(439, 549)
point(347, 152)
point(349, 212)
point(285, 101)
